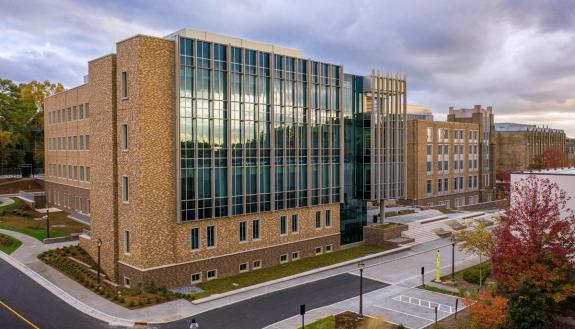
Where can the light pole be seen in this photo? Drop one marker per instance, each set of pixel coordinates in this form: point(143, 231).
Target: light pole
point(99, 244)
point(361, 266)
point(47, 220)
point(452, 258)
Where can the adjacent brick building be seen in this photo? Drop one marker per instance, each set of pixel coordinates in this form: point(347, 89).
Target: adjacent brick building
point(443, 163)
point(521, 146)
point(198, 156)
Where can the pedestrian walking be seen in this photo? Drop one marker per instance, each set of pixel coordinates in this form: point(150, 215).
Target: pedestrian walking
point(194, 324)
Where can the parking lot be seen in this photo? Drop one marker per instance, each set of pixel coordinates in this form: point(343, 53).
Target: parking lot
point(412, 307)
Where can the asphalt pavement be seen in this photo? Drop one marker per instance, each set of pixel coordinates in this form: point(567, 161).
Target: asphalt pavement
point(264, 310)
point(36, 307)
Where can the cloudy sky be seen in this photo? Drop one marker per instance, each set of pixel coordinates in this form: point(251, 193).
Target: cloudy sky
point(516, 55)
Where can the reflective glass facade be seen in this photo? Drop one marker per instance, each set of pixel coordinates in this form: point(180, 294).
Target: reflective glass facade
point(258, 131)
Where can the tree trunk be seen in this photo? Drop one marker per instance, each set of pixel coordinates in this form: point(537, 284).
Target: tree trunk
point(480, 272)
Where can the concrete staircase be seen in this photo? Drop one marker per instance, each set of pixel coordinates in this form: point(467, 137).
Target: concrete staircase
point(425, 231)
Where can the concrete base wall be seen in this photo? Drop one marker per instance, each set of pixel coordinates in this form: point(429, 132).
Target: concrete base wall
point(179, 275)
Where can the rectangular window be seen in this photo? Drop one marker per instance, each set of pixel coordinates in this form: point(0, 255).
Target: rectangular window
point(243, 267)
point(211, 236)
point(328, 218)
point(213, 274)
point(127, 242)
point(124, 84)
point(446, 185)
point(294, 224)
point(257, 264)
point(87, 139)
point(125, 137)
point(283, 225)
point(318, 250)
point(256, 229)
point(87, 110)
point(295, 255)
point(328, 248)
point(429, 149)
point(196, 277)
point(283, 258)
point(429, 166)
point(126, 282)
point(243, 232)
point(429, 191)
point(318, 219)
point(195, 238)
point(125, 189)
point(439, 185)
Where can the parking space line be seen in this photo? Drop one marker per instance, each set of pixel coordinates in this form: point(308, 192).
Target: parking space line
point(422, 303)
point(404, 313)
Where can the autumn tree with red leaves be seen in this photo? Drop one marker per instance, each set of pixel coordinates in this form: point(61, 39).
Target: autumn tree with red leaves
point(536, 240)
point(550, 159)
point(488, 311)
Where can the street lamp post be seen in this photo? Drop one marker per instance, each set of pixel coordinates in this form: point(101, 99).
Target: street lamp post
point(47, 220)
point(452, 258)
point(99, 244)
point(361, 266)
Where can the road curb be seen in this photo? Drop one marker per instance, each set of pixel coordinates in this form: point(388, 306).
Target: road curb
point(296, 276)
point(66, 297)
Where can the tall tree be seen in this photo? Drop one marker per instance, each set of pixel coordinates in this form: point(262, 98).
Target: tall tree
point(477, 241)
point(21, 115)
point(551, 158)
point(536, 240)
point(528, 308)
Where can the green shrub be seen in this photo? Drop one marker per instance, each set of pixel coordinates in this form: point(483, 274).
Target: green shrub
point(471, 275)
point(150, 287)
point(131, 304)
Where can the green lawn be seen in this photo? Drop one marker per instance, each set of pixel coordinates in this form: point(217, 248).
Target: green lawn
point(38, 234)
point(9, 244)
point(16, 203)
point(325, 323)
point(439, 290)
point(218, 286)
point(387, 225)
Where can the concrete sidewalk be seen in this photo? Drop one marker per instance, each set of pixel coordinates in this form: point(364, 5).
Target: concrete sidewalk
point(174, 310)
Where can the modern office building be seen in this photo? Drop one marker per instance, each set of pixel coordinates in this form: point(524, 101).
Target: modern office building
point(375, 148)
point(198, 156)
point(486, 153)
point(443, 163)
point(522, 146)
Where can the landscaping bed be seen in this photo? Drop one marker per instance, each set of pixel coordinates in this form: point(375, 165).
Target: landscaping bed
point(351, 320)
point(242, 280)
point(468, 279)
point(21, 218)
point(9, 244)
point(15, 185)
point(63, 260)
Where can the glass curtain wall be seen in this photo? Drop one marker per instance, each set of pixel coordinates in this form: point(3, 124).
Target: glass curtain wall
point(231, 161)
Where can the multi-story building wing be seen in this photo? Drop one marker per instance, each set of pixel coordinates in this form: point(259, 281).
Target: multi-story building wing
point(522, 146)
point(206, 156)
point(443, 163)
point(483, 117)
point(375, 147)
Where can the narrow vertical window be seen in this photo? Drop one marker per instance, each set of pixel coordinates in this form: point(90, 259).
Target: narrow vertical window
point(243, 235)
point(283, 225)
point(125, 189)
point(211, 238)
point(124, 84)
point(318, 219)
point(125, 137)
point(256, 229)
point(328, 218)
point(195, 238)
point(127, 242)
point(294, 224)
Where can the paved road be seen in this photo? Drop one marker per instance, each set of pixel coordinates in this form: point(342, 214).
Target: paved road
point(262, 311)
point(19, 293)
point(36, 304)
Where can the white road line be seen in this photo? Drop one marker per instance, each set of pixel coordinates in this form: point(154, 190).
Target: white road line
point(418, 301)
point(404, 313)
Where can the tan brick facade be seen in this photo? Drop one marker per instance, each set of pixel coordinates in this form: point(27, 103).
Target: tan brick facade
point(518, 150)
point(427, 147)
point(160, 246)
